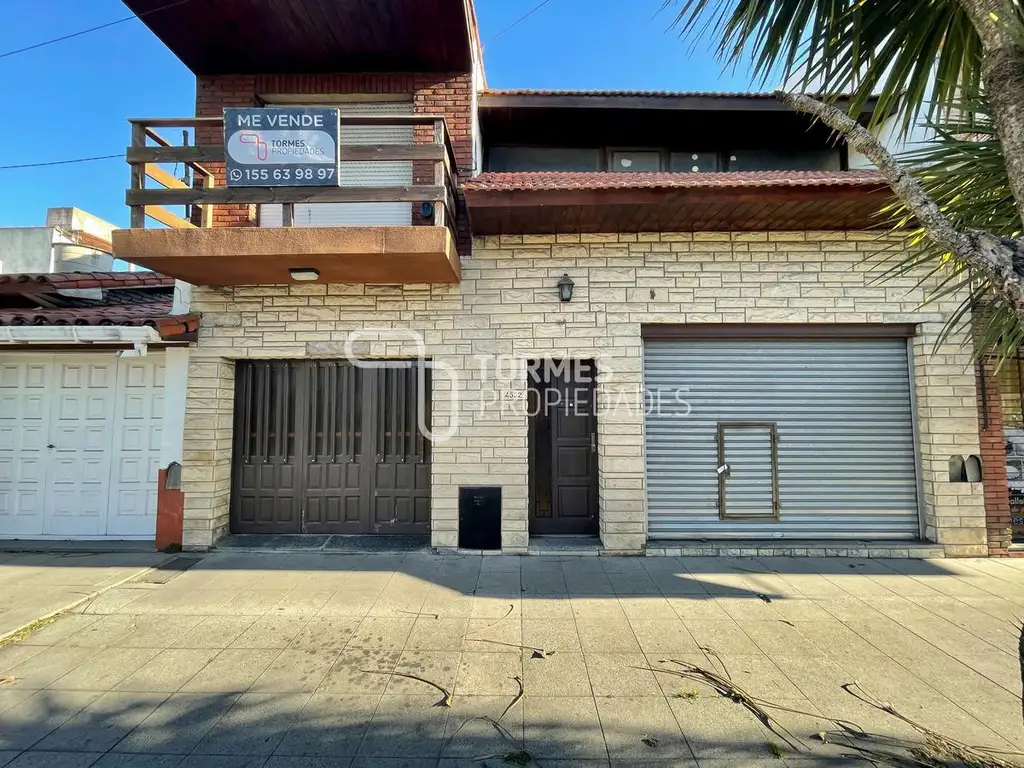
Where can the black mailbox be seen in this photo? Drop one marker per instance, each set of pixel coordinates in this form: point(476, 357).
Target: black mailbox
point(480, 517)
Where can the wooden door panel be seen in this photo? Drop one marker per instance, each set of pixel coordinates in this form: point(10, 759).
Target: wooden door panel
point(322, 446)
point(266, 492)
point(565, 465)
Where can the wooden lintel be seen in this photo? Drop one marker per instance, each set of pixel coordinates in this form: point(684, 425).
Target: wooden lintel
point(167, 218)
point(491, 198)
point(416, 193)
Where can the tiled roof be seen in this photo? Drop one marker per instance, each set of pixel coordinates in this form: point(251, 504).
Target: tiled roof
point(63, 280)
point(652, 94)
point(536, 181)
point(128, 299)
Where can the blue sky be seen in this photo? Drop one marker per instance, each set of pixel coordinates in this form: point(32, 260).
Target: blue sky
point(72, 99)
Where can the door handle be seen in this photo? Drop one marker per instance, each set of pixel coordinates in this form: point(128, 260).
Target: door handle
point(724, 470)
point(51, 445)
point(593, 441)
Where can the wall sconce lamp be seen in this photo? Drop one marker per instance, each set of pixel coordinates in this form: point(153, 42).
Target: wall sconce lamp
point(565, 286)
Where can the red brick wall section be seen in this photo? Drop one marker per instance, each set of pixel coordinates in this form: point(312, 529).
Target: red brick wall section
point(450, 95)
point(993, 462)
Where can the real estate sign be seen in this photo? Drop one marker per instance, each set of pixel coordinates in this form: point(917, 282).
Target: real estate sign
point(281, 147)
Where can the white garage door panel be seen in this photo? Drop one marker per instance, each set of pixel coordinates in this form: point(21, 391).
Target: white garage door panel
point(102, 417)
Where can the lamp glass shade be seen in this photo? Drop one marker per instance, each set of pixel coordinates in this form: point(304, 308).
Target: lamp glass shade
point(565, 286)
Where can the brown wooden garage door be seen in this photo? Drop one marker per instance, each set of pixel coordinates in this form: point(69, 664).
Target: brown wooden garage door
point(322, 446)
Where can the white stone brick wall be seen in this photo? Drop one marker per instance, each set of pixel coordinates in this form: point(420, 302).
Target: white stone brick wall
point(507, 304)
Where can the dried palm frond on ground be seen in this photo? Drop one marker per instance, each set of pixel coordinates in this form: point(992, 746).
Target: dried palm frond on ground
point(931, 750)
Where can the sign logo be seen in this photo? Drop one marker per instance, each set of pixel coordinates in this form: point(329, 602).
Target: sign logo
point(282, 147)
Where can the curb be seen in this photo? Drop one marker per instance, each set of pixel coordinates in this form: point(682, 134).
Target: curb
point(85, 598)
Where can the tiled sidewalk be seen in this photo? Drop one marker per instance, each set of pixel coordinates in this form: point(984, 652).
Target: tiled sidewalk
point(281, 661)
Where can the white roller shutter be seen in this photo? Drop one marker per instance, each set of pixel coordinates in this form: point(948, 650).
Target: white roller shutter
point(846, 465)
point(360, 175)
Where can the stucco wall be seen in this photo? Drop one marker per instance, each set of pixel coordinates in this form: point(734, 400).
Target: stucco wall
point(506, 304)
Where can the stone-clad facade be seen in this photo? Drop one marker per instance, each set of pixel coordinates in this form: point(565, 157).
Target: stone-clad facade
point(506, 305)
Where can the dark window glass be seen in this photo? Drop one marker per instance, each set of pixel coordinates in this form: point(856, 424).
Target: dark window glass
point(543, 159)
point(632, 161)
point(694, 162)
point(784, 160)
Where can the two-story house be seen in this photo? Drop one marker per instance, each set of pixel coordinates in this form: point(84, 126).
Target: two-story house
point(654, 319)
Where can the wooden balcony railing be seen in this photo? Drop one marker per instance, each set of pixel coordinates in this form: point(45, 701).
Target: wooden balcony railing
point(149, 149)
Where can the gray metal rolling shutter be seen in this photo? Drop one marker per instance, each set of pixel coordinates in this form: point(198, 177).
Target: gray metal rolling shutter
point(360, 174)
point(845, 438)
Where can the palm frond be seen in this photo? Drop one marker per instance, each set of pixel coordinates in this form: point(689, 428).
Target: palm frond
point(962, 169)
point(912, 55)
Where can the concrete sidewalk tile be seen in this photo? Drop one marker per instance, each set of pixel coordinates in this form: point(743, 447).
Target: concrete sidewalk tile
point(12, 655)
point(405, 726)
point(231, 671)
point(442, 634)
point(385, 634)
point(254, 725)
point(560, 674)
point(606, 636)
point(723, 636)
point(562, 728)
point(41, 670)
point(494, 635)
point(663, 637)
point(759, 676)
point(150, 631)
point(223, 761)
point(103, 723)
point(546, 608)
point(125, 760)
point(11, 697)
point(106, 630)
point(719, 728)
point(440, 667)
point(270, 632)
point(63, 627)
point(295, 671)
point(628, 720)
point(6, 757)
point(104, 670)
point(697, 609)
point(178, 724)
point(468, 737)
point(169, 670)
point(489, 674)
point(55, 760)
point(307, 762)
point(360, 671)
point(621, 674)
point(325, 633)
point(552, 635)
point(215, 632)
point(597, 608)
point(26, 723)
point(329, 725)
point(647, 608)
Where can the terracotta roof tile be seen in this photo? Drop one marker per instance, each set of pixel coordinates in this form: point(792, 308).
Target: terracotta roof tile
point(535, 181)
point(63, 280)
point(651, 94)
point(132, 305)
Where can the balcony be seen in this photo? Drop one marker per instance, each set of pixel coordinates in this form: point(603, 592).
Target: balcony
point(381, 225)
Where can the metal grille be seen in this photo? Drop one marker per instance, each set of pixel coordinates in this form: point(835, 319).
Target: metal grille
point(845, 450)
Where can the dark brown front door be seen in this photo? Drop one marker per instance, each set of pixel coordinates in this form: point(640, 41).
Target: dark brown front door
point(563, 448)
point(322, 446)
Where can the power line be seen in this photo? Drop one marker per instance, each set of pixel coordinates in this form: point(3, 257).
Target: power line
point(62, 38)
point(60, 162)
point(518, 21)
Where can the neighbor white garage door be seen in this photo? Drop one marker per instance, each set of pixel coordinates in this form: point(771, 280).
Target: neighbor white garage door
point(79, 445)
